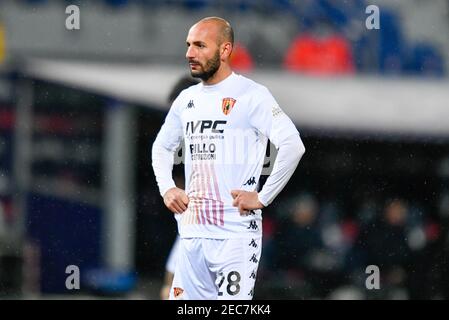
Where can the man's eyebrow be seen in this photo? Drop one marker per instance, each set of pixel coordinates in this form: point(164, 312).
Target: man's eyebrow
point(196, 42)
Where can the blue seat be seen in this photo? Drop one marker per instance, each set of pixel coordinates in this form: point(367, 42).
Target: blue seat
point(425, 59)
point(391, 43)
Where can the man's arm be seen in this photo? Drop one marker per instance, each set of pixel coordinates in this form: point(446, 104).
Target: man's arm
point(290, 152)
point(162, 155)
point(175, 198)
point(267, 117)
point(162, 161)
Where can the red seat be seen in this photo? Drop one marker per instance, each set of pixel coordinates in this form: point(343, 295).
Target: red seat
point(311, 55)
point(241, 59)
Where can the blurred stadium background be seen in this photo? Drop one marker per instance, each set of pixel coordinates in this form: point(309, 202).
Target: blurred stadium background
point(79, 110)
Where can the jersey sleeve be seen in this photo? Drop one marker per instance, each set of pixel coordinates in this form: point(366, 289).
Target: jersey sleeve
point(164, 147)
point(170, 135)
point(268, 118)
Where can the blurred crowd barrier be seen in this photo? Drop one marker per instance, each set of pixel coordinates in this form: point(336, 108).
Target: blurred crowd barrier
point(313, 252)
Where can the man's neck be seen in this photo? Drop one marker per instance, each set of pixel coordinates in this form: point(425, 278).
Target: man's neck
point(219, 76)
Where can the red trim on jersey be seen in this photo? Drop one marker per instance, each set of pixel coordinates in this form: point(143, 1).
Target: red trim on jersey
point(204, 204)
point(217, 192)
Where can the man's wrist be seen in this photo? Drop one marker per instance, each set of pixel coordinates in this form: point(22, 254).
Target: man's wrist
point(165, 189)
point(261, 200)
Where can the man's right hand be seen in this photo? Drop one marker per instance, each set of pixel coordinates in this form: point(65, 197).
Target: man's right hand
point(176, 200)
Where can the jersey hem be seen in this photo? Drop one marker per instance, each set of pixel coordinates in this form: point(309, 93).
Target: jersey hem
point(228, 236)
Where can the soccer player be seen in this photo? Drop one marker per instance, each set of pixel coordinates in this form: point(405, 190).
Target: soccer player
point(226, 121)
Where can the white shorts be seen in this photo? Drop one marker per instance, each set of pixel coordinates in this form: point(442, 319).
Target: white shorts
point(216, 269)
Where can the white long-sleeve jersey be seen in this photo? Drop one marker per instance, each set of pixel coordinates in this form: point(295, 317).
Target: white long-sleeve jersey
point(225, 128)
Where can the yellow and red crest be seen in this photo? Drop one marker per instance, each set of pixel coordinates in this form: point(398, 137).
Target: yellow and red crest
point(227, 105)
point(177, 292)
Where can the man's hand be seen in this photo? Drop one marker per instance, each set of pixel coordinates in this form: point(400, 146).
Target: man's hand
point(176, 200)
point(246, 201)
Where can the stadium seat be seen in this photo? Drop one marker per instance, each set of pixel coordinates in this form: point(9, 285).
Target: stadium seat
point(241, 59)
point(425, 59)
point(328, 55)
point(390, 43)
point(117, 3)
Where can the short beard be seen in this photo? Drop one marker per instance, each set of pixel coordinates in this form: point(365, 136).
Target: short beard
point(210, 68)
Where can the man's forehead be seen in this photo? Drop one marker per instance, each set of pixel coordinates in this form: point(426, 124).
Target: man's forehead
point(205, 29)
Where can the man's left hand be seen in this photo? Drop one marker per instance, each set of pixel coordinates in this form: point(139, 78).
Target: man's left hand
point(246, 201)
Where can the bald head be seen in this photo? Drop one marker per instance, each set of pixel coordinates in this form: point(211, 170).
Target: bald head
point(223, 28)
point(209, 47)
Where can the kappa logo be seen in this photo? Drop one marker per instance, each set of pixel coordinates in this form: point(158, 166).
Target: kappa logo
point(253, 225)
point(253, 275)
point(250, 181)
point(190, 105)
point(254, 258)
point(227, 105)
point(177, 292)
point(253, 243)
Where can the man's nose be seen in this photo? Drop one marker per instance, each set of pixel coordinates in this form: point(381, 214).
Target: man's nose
point(190, 53)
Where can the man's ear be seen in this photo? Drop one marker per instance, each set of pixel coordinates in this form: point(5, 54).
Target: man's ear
point(226, 50)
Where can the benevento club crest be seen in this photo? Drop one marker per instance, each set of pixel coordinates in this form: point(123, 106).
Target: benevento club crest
point(227, 105)
point(177, 292)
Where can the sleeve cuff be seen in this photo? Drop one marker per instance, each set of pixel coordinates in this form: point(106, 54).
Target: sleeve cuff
point(164, 189)
point(263, 201)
